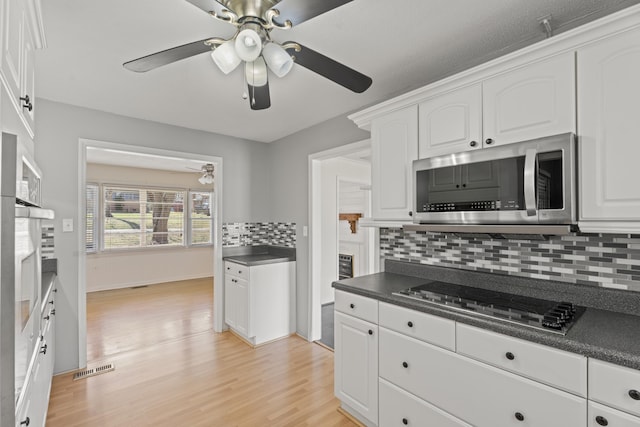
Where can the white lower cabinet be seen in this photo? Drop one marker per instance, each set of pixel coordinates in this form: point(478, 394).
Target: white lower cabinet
point(557, 368)
point(399, 367)
point(477, 393)
point(356, 366)
point(259, 300)
point(614, 386)
point(399, 408)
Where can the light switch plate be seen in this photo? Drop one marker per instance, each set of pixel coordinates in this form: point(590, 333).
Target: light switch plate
point(305, 231)
point(67, 225)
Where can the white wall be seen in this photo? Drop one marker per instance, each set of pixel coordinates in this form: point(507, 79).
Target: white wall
point(290, 190)
point(58, 130)
point(121, 269)
point(332, 171)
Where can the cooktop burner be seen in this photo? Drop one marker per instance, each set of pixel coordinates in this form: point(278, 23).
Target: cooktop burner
point(546, 315)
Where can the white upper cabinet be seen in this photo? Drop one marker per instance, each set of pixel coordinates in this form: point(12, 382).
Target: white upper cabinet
point(21, 34)
point(533, 101)
point(13, 25)
point(608, 127)
point(394, 145)
point(452, 122)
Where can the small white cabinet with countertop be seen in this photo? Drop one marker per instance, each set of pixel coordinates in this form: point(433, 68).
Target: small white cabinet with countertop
point(258, 300)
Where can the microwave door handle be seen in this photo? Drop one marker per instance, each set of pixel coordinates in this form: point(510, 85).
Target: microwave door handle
point(530, 159)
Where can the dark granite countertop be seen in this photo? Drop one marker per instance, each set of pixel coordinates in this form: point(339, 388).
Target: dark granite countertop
point(259, 255)
point(601, 332)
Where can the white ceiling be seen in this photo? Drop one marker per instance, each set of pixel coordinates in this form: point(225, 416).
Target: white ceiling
point(401, 44)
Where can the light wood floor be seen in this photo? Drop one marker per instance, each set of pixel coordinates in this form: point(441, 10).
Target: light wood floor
point(195, 378)
point(133, 318)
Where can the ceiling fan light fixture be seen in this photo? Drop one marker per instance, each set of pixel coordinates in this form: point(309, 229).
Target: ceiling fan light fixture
point(206, 179)
point(256, 72)
point(277, 59)
point(225, 57)
point(248, 42)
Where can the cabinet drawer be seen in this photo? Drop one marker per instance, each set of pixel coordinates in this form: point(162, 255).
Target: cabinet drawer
point(357, 305)
point(614, 385)
point(558, 368)
point(238, 270)
point(425, 327)
point(600, 415)
point(472, 391)
point(398, 406)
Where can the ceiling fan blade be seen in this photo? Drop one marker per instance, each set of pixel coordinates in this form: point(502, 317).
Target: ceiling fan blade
point(298, 11)
point(259, 98)
point(210, 6)
point(168, 56)
point(330, 69)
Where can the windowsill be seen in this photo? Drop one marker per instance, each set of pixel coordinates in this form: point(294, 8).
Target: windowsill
point(160, 248)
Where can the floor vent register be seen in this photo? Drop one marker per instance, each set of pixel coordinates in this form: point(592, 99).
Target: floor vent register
point(93, 371)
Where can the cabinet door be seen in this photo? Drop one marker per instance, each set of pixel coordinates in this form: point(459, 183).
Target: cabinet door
point(608, 94)
point(394, 144)
point(530, 102)
point(27, 85)
point(451, 123)
point(242, 306)
point(356, 365)
point(13, 28)
point(230, 301)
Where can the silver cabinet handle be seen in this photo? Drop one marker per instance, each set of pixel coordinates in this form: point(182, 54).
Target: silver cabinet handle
point(530, 201)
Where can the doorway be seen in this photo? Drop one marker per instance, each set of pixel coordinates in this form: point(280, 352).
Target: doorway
point(341, 173)
point(157, 175)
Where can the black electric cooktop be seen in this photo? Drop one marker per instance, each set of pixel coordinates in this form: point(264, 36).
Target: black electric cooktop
point(552, 316)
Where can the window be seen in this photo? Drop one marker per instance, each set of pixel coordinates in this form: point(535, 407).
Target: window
point(140, 217)
point(200, 218)
point(128, 217)
point(92, 217)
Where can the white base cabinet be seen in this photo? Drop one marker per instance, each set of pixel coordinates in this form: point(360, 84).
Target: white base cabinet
point(31, 409)
point(356, 355)
point(400, 367)
point(259, 300)
point(472, 391)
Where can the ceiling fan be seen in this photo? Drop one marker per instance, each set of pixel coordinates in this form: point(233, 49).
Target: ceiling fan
point(252, 44)
point(207, 173)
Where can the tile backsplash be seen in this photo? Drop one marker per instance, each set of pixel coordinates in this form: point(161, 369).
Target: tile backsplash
point(259, 233)
point(609, 260)
point(48, 248)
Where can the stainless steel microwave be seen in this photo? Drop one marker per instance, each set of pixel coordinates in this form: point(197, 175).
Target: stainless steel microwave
point(530, 182)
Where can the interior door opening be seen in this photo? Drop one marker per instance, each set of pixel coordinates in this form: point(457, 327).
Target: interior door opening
point(148, 256)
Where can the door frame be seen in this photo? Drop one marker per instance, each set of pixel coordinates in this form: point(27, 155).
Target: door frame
point(218, 291)
point(314, 320)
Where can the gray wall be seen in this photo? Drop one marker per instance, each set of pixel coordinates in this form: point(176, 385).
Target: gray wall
point(290, 189)
point(58, 130)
